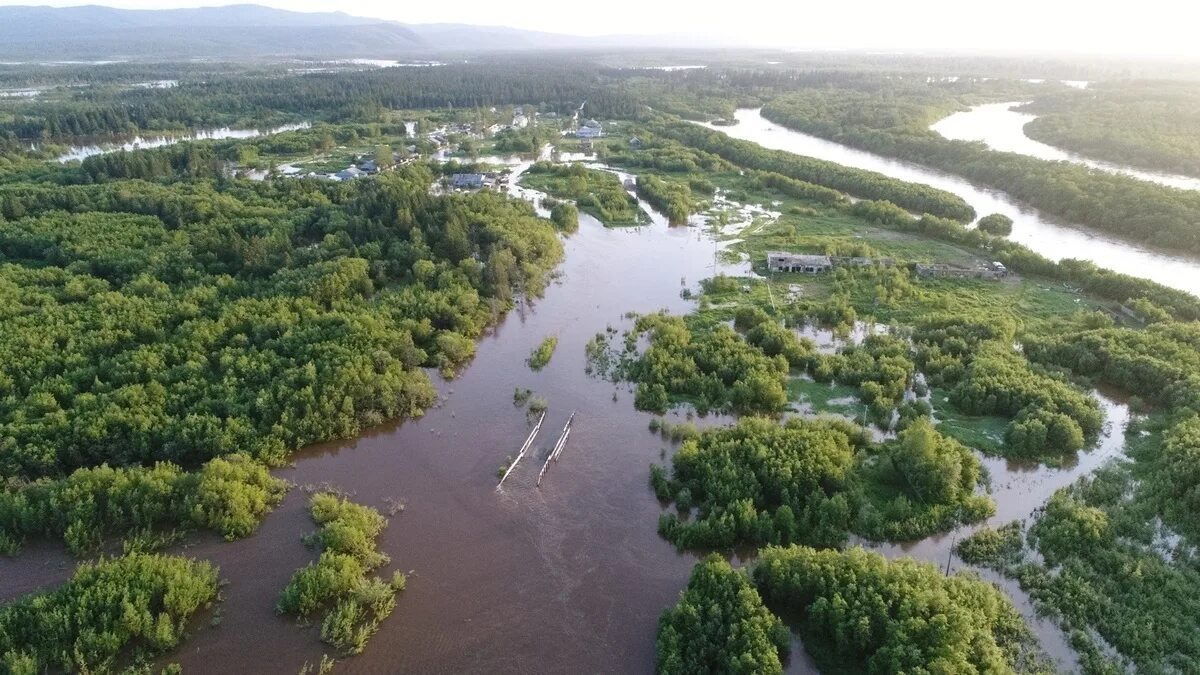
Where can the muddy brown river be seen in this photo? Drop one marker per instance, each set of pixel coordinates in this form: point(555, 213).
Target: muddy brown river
point(566, 578)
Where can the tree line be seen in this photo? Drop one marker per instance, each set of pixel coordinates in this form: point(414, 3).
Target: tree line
point(893, 120)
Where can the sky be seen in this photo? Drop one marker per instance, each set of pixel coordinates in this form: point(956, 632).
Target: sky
point(1143, 27)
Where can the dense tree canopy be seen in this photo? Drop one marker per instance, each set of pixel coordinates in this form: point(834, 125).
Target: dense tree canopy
point(813, 482)
point(227, 494)
point(860, 612)
point(259, 319)
point(719, 625)
point(1146, 123)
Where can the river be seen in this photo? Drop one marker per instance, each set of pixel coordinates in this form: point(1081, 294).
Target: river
point(566, 578)
point(1003, 129)
point(100, 147)
point(1049, 237)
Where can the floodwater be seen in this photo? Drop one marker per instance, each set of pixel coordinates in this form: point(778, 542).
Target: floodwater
point(1054, 239)
point(1019, 488)
point(85, 150)
point(566, 578)
point(1003, 128)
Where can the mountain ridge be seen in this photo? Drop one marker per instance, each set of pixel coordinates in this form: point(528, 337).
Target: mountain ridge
point(43, 33)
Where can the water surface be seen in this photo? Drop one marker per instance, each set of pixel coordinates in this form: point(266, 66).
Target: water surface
point(570, 577)
point(1003, 128)
point(100, 147)
point(1052, 238)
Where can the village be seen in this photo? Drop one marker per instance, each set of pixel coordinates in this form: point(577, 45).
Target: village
point(443, 142)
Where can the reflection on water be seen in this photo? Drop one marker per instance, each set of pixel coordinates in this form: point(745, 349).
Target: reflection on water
point(1003, 129)
point(1051, 238)
point(82, 151)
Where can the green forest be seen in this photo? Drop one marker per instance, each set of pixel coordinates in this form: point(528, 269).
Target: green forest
point(893, 120)
point(173, 333)
point(1148, 123)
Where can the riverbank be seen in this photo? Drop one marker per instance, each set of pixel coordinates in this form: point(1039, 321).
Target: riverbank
point(1049, 237)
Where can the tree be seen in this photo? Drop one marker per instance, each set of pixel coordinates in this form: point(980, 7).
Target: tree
point(383, 156)
point(720, 625)
point(929, 465)
point(997, 224)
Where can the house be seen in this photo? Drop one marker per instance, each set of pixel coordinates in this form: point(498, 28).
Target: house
point(467, 181)
point(350, 173)
point(590, 129)
point(368, 166)
point(635, 142)
point(795, 262)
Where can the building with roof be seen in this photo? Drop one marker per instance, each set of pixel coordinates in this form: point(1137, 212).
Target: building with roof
point(350, 173)
point(467, 181)
point(798, 262)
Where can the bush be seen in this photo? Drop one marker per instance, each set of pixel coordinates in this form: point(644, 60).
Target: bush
point(356, 604)
point(997, 224)
point(130, 607)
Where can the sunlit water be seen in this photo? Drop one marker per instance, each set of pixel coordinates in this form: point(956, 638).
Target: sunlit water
point(1003, 129)
point(1049, 237)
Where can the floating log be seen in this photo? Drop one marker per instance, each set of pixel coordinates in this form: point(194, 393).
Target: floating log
point(558, 448)
point(528, 442)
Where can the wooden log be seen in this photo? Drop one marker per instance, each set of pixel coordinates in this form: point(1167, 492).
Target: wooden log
point(524, 448)
point(558, 447)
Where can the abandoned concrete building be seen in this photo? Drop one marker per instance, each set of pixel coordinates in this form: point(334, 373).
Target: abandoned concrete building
point(798, 262)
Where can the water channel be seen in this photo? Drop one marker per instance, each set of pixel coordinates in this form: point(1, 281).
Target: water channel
point(566, 578)
point(102, 146)
point(1002, 128)
point(1040, 232)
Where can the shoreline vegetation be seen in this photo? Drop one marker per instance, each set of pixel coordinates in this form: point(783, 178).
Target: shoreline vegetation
point(595, 192)
point(338, 582)
point(894, 121)
point(170, 332)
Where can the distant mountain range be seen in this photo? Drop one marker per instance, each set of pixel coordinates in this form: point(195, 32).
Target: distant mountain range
point(92, 32)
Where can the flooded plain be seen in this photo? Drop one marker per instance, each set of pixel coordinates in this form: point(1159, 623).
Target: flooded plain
point(570, 577)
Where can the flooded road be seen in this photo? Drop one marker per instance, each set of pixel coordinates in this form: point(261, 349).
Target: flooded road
point(1053, 239)
point(1003, 129)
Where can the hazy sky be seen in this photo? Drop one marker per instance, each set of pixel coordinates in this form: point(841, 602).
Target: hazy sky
point(1149, 27)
